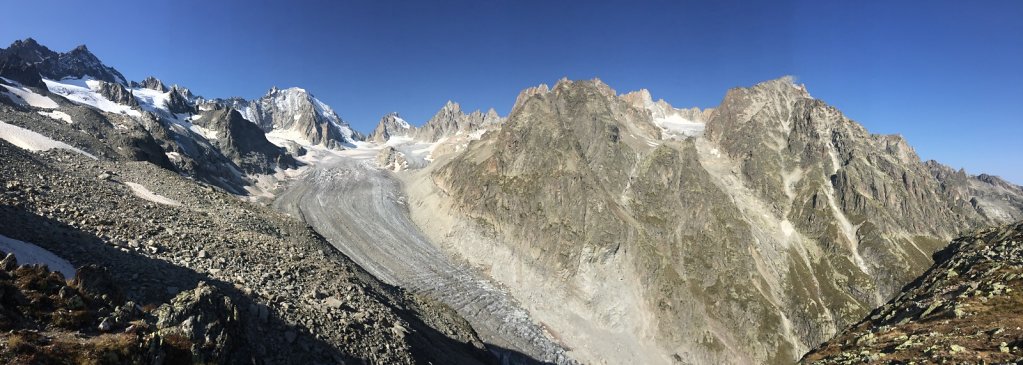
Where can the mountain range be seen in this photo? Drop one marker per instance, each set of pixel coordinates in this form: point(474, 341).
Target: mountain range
point(587, 226)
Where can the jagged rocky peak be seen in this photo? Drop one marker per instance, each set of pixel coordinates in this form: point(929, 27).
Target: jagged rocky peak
point(243, 142)
point(450, 120)
point(179, 103)
point(77, 63)
point(527, 93)
point(151, 83)
point(390, 125)
point(117, 93)
point(29, 50)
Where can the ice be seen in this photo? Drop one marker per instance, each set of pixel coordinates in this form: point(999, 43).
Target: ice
point(28, 253)
point(32, 141)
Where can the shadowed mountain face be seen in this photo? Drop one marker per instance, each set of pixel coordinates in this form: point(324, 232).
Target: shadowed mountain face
point(780, 225)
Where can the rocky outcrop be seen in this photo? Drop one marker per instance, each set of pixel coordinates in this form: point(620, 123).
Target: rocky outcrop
point(12, 67)
point(178, 102)
point(389, 126)
point(967, 308)
point(243, 142)
point(392, 159)
point(780, 190)
point(117, 93)
point(151, 83)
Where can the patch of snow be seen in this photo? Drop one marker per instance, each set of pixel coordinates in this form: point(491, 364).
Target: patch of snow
point(32, 141)
point(279, 136)
point(674, 125)
point(144, 193)
point(477, 134)
point(205, 133)
point(786, 228)
point(151, 100)
point(81, 91)
point(402, 123)
point(25, 96)
point(173, 156)
point(28, 253)
point(58, 115)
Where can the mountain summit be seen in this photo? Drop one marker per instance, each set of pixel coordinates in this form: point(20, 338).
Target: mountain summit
point(77, 63)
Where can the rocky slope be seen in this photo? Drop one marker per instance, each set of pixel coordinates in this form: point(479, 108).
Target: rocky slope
point(206, 268)
point(967, 308)
point(583, 187)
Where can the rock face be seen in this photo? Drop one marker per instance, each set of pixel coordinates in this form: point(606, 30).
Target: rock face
point(779, 223)
point(151, 83)
point(243, 142)
point(295, 114)
point(967, 308)
point(76, 63)
point(14, 68)
point(390, 125)
point(117, 93)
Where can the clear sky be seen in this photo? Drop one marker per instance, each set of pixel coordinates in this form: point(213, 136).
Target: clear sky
point(946, 75)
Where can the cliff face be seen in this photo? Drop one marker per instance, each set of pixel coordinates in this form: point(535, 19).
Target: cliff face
point(779, 223)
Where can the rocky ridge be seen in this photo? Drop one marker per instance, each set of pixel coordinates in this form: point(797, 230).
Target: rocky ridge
point(449, 121)
point(77, 63)
point(967, 308)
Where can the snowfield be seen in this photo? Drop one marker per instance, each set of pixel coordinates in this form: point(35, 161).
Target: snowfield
point(33, 141)
point(28, 253)
point(81, 91)
point(57, 115)
point(26, 96)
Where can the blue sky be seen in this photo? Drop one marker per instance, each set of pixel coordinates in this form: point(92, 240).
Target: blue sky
point(946, 75)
